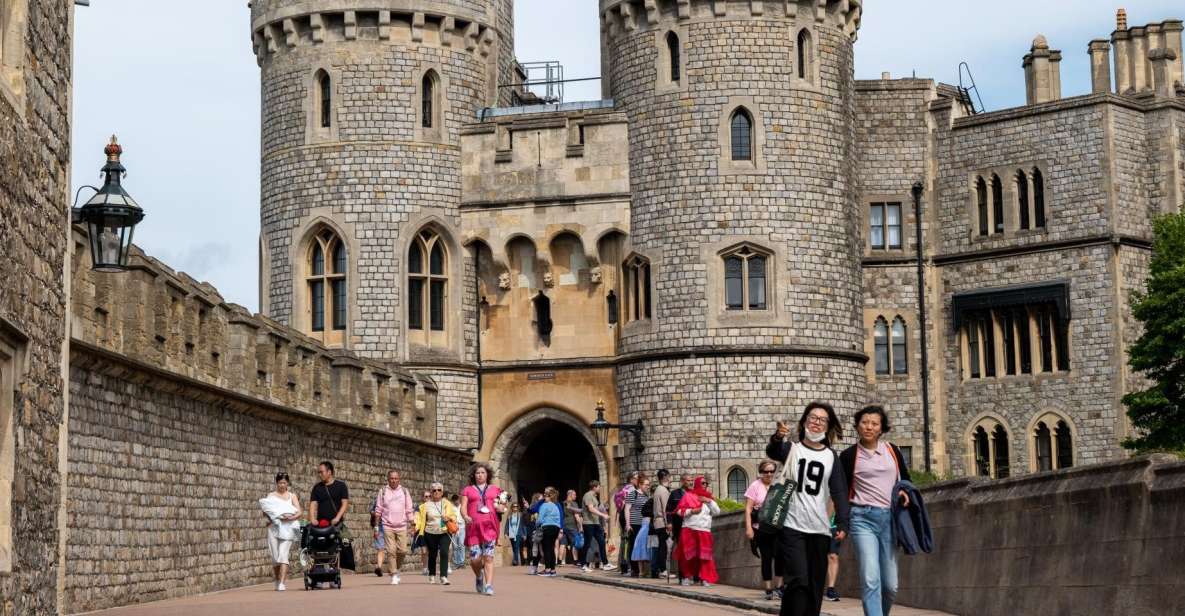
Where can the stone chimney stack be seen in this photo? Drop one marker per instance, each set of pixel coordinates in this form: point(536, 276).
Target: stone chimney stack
point(1135, 73)
point(1100, 66)
point(1161, 61)
point(1043, 73)
point(1171, 30)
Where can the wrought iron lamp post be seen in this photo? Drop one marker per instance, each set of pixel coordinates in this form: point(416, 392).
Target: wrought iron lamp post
point(600, 429)
point(110, 215)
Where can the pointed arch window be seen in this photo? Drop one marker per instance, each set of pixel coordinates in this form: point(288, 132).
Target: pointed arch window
point(1022, 199)
point(880, 341)
point(900, 356)
point(325, 99)
point(637, 288)
point(1064, 441)
point(674, 53)
point(429, 105)
point(981, 204)
point(745, 280)
point(997, 204)
point(806, 55)
point(327, 268)
point(741, 131)
point(1038, 199)
point(989, 449)
point(427, 282)
point(1053, 444)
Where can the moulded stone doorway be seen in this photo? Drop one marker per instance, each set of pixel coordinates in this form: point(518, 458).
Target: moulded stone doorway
point(547, 447)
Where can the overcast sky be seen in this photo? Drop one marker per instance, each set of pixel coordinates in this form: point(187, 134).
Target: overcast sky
point(177, 81)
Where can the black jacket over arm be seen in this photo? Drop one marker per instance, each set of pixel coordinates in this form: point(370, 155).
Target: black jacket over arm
point(779, 449)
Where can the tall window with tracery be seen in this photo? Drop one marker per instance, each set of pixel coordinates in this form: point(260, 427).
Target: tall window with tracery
point(989, 449)
point(890, 349)
point(637, 288)
point(427, 283)
point(745, 282)
point(326, 280)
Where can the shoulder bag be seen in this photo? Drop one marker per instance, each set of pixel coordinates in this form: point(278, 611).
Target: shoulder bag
point(772, 515)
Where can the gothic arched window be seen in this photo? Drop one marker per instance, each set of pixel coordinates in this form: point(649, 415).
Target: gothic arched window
point(327, 268)
point(880, 343)
point(637, 288)
point(1022, 199)
point(429, 106)
point(674, 53)
point(981, 204)
point(738, 482)
point(741, 130)
point(997, 204)
point(900, 358)
point(805, 55)
point(324, 99)
point(989, 449)
point(427, 282)
point(1038, 199)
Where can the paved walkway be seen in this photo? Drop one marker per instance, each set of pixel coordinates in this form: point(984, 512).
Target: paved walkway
point(573, 593)
point(366, 595)
point(731, 596)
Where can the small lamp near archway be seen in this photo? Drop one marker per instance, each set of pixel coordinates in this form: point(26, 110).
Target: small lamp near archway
point(600, 429)
point(110, 216)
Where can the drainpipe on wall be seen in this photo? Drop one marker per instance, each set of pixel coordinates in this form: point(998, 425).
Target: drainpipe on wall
point(917, 218)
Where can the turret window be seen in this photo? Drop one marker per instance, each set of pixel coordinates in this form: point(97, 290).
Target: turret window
point(325, 98)
point(745, 279)
point(675, 55)
point(637, 288)
point(326, 277)
point(428, 100)
point(806, 54)
point(427, 283)
point(742, 135)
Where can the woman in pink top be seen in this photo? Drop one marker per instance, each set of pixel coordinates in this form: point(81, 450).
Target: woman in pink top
point(873, 466)
point(766, 543)
point(480, 505)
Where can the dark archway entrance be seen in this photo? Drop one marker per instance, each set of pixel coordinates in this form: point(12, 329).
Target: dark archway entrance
point(551, 453)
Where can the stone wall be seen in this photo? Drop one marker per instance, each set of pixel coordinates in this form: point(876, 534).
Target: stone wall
point(1101, 539)
point(35, 81)
point(165, 475)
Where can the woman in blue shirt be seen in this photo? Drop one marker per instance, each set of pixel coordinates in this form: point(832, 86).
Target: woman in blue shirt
point(550, 520)
point(513, 528)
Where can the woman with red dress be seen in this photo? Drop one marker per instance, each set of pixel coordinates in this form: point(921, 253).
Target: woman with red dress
point(694, 550)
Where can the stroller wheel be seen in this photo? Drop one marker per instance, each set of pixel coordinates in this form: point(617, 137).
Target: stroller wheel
point(337, 582)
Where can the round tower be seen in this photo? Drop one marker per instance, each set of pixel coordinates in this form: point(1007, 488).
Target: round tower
point(742, 283)
point(362, 103)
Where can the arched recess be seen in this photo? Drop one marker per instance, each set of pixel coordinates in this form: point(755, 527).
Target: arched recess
point(449, 339)
point(998, 461)
point(317, 224)
point(568, 261)
point(525, 430)
point(1054, 422)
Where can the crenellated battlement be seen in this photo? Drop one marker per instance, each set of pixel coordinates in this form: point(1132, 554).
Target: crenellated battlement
point(277, 33)
point(168, 322)
point(620, 17)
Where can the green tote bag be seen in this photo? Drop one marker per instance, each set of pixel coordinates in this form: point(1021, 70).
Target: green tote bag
point(772, 515)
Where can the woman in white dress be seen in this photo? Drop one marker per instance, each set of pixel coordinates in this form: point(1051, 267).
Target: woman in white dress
point(281, 509)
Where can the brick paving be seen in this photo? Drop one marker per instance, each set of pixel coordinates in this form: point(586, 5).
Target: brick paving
point(731, 596)
point(576, 594)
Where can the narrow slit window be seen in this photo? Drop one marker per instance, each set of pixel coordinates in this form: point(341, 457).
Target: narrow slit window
point(1038, 199)
point(973, 348)
point(893, 224)
point(981, 203)
point(876, 226)
point(674, 53)
point(1022, 199)
point(428, 99)
point(987, 328)
point(880, 342)
point(1065, 446)
point(1000, 450)
point(997, 204)
point(1044, 446)
point(325, 92)
point(900, 356)
point(983, 453)
point(742, 135)
point(805, 55)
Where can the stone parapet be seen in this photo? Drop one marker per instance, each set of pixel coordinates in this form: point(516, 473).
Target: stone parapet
point(618, 16)
point(154, 316)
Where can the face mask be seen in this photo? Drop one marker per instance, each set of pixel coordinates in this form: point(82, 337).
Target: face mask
point(815, 437)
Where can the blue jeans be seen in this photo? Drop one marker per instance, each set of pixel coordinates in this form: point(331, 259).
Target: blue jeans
point(594, 538)
point(872, 533)
point(516, 545)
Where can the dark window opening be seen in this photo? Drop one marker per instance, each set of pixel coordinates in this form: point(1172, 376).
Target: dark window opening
point(989, 345)
point(611, 306)
point(415, 303)
point(981, 201)
point(674, 53)
point(317, 295)
point(1022, 199)
point(543, 315)
point(880, 342)
point(1009, 326)
point(427, 97)
point(1000, 444)
point(436, 305)
point(982, 453)
point(742, 135)
point(326, 99)
point(804, 54)
point(998, 203)
point(1065, 446)
point(339, 304)
point(1038, 199)
point(1044, 330)
point(1044, 448)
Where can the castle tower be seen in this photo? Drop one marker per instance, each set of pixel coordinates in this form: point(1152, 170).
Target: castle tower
point(742, 281)
point(362, 104)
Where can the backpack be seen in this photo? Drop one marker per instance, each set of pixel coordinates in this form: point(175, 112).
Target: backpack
point(619, 497)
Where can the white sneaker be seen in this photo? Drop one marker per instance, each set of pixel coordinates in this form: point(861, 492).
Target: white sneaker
point(585, 569)
point(395, 580)
point(280, 588)
point(685, 582)
point(431, 579)
point(608, 567)
point(444, 581)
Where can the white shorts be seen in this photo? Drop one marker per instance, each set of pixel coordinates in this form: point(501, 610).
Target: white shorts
point(278, 549)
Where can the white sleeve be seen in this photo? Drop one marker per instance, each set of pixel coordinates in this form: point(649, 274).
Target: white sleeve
point(713, 508)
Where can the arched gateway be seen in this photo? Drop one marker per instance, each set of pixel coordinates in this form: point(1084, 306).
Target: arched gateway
point(546, 447)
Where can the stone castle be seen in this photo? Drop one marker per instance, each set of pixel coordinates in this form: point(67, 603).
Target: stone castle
point(454, 269)
point(727, 235)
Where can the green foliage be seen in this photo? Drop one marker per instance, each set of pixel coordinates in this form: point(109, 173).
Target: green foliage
point(727, 505)
point(922, 479)
point(1158, 412)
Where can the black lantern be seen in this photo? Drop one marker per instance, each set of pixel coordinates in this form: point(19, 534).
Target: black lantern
point(600, 429)
point(110, 216)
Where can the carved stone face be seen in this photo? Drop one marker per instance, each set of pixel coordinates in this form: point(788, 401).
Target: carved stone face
point(548, 279)
point(594, 275)
point(504, 281)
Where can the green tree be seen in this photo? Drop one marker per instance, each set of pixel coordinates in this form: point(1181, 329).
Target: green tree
point(1158, 412)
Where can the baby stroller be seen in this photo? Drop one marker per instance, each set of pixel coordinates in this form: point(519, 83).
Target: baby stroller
point(320, 551)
